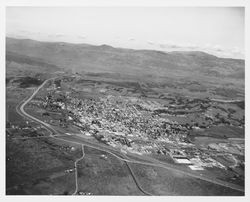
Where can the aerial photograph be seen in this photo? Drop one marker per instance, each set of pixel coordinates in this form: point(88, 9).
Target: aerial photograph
point(125, 101)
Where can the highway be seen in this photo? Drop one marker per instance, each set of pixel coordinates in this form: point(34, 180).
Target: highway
point(72, 139)
point(158, 164)
point(20, 110)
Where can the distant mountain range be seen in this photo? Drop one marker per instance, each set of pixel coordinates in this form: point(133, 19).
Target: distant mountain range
point(191, 71)
point(104, 58)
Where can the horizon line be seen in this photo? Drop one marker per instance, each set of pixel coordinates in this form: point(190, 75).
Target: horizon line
point(104, 44)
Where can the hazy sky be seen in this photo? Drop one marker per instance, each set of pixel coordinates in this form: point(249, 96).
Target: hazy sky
point(219, 31)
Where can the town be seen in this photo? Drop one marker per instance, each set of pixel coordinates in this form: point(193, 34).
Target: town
point(143, 126)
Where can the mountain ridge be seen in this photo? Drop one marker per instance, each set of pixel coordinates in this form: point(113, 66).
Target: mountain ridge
point(106, 46)
point(104, 58)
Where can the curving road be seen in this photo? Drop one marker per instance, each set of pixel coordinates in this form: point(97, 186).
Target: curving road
point(136, 180)
point(20, 108)
point(76, 172)
point(160, 165)
point(21, 111)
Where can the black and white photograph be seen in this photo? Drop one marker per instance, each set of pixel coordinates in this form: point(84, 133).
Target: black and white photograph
point(124, 101)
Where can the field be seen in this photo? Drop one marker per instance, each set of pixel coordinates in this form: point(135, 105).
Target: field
point(37, 167)
point(112, 174)
point(159, 181)
point(220, 132)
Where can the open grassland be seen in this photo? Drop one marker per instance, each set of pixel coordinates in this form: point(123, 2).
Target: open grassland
point(105, 175)
point(160, 181)
point(37, 166)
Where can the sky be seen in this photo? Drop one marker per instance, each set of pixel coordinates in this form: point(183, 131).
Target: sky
point(215, 30)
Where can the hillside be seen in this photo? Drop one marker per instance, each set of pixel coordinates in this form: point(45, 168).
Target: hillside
point(157, 66)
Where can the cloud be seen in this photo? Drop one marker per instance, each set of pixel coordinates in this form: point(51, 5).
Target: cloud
point(190, 47)
point(217, 48)
point(162, 46)
point(150, 42)
point(24, 31)
point(25, 34)
point(174, 45)
point(236, 50)
point(81, 37)
point(59, 35)
point(220, 51)
point(28, 33)
point(214, 49)
point(50, 35)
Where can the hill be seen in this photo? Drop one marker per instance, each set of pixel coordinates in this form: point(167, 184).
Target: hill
point(157, 66)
